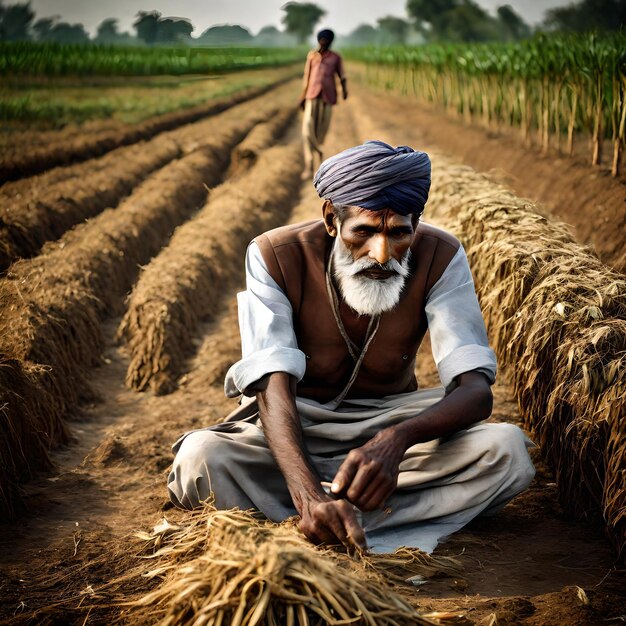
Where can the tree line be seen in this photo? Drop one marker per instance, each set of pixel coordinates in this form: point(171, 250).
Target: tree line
point(427, 20)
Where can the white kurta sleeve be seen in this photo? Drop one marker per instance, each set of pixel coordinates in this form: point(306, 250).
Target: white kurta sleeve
point(457, 329)
point(268, 340)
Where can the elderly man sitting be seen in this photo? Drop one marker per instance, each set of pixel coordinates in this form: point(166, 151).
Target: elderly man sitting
point(336, 429)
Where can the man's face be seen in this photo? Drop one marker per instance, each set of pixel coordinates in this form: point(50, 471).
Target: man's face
point(371, 258)
point(324, 43)
point(377, 236)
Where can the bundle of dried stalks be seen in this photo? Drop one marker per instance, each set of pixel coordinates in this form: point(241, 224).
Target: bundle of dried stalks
point(52, 305)
point(260, 137)
point(556, 317)
point(228, 567)
point(187, 280)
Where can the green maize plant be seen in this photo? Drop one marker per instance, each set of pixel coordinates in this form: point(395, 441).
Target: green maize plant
point(552, 87)
point(39, 59)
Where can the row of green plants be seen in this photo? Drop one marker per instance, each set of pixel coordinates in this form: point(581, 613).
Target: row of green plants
point(48, 59)
point(554, 88)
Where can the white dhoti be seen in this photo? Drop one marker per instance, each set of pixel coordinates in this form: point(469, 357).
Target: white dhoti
point(315, 124)
point(443, 484)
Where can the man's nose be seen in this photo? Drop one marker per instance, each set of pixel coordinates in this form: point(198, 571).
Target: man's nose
point(380, 249)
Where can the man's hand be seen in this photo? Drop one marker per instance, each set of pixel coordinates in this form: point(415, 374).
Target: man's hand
point(329, 521)
point(369, 474)
point(324, 519)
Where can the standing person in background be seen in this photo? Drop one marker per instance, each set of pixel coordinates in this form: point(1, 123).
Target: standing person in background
point(319, 94)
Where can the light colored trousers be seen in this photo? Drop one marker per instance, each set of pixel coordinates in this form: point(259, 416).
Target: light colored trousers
point(443, 484)
point(315, 125)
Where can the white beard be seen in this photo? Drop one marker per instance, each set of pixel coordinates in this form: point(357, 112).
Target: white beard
point(368, 296)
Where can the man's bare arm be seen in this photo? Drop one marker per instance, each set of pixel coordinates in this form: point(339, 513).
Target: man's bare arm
point(324, 519)
point(369, 475)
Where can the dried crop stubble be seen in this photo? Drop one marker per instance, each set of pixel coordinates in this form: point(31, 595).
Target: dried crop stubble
point(23, 447)
point(187, 280)
point(230, 567)
point(26, 224)
point(556, 317)
point(260, 137)
point(52, 305)
point(27, 163)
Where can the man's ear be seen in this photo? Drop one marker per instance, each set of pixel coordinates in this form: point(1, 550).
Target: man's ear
point(330, 218)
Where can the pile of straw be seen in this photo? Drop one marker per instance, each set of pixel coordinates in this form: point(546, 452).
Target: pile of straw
point(557, 319)
point(228, 567)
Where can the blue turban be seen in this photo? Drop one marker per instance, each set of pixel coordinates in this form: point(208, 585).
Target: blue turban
point(376, 176)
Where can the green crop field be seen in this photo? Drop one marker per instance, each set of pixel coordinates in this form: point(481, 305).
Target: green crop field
point(39, 59)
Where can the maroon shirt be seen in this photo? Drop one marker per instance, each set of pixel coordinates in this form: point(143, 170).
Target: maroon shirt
point(319, 75)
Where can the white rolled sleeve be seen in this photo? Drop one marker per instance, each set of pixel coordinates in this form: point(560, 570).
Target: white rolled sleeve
point(268, 340)
point(457, 329)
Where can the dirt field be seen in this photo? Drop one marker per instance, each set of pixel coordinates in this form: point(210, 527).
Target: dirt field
point(529, 564)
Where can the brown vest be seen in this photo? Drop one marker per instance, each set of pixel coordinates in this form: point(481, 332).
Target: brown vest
point(296, 257)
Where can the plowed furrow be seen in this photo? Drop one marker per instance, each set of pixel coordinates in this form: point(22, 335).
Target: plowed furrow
point(28, 163)
point(44, 211)
point(52, 305)
point(187, 280)
point(25, 225)
point(260, 137)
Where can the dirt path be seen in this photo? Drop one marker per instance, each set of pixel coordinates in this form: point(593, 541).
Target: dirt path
point(521, 566)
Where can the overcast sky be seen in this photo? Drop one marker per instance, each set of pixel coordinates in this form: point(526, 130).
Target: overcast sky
point(341, 15)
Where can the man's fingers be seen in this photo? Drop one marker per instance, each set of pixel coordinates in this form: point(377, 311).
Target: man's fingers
point(343, 477)
point(377, 499)
point(318, 534)
point(336, 524)
point(376, 491)
point(355, 534)
point(366, 475)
